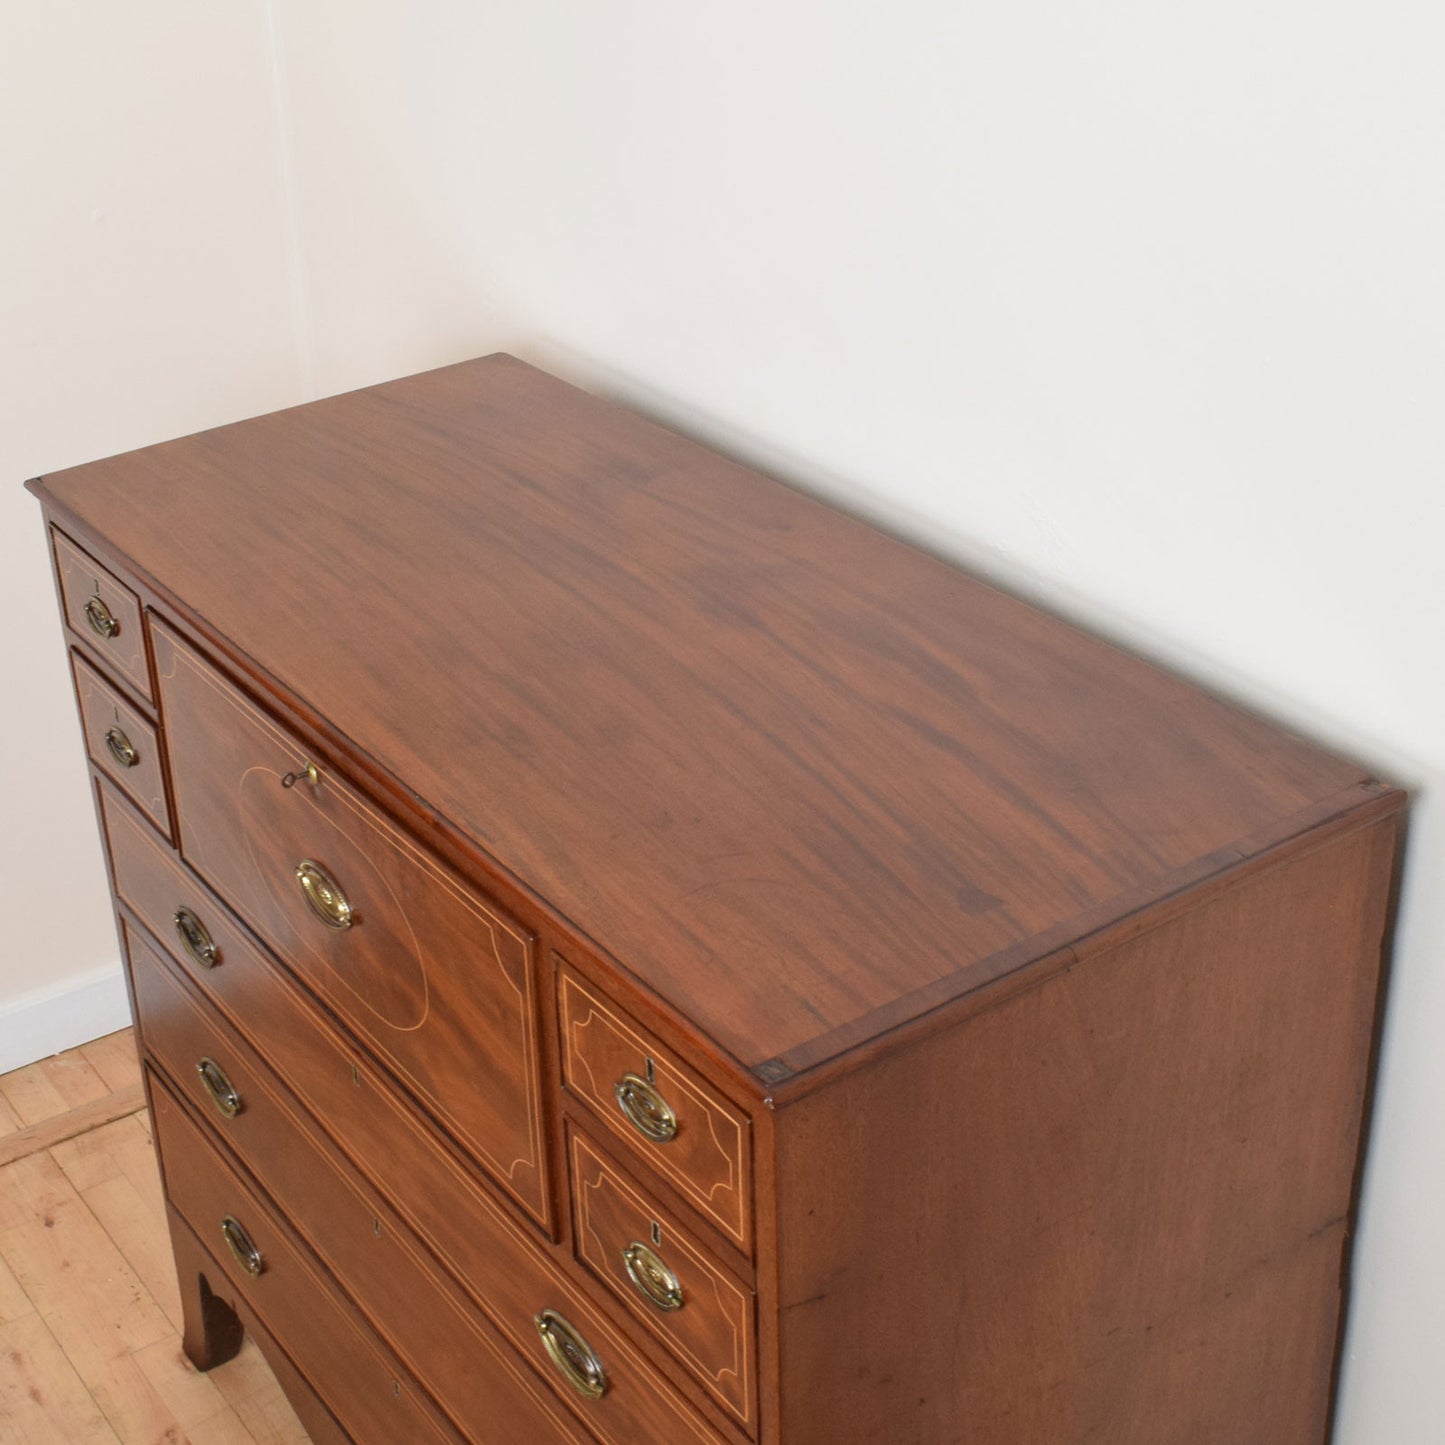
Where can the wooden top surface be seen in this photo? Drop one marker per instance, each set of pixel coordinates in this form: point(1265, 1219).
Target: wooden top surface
point(803, 780)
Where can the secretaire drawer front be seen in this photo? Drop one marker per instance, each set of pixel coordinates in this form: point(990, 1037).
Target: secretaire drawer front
point(667, 1115)
point(667, 1279)
point(354, 1230)
point(103, 613)
point(439, 981)
point(121, 742)
point(343, 1361)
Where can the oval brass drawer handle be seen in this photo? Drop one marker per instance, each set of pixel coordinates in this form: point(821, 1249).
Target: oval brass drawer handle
point(221, 1090)
point(654, 1281)
point(647, 1111)
point(101, 618)
point(195, 938)
point(121, 748)
point(572, 1355)
point(323, 894)
point(239, 1243)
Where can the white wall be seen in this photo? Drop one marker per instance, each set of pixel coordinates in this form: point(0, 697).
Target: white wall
point(1137, 306)
point(145, 291)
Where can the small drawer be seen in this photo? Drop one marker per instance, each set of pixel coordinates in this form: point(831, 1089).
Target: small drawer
point(356, 1232)
point(121, 742)
point(437, 980)
point(103, 613)
point(343, 1361)
point(662, 1110)
point(666, 1279)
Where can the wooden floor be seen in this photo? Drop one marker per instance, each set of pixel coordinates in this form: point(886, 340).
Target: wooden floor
point(90, 1349)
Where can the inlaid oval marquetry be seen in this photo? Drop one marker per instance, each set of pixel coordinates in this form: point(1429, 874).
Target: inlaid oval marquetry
point(436, 979)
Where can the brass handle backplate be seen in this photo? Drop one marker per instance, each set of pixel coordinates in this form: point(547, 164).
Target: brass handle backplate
point(101, 618)
point(121, 748)
point(240, 1245)
point(572, 1355)
point(323, 894)
point(195, 938)
point(654, 1281)
point(647, 1111)
point(221, 1090)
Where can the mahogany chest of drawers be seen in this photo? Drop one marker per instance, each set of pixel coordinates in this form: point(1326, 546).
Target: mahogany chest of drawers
point(625, 953)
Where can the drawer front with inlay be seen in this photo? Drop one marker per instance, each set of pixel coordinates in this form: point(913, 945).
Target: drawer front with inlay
point(121, 742)
point(355, 1231)
point(344, 1362)
point(103, 613)
point(666, 1278)
point(666, 1114)
point(439, 981)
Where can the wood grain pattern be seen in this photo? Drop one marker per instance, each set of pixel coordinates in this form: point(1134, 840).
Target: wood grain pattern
point(61, 1127)
point(1014, 998)
point(50, 1088)
point(438, 981)
point(1137, 1191)
point(837, 771)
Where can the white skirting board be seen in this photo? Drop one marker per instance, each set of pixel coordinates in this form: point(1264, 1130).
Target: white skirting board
point(50, 1020)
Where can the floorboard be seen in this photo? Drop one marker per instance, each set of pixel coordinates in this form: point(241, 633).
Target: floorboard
point(89, 1311)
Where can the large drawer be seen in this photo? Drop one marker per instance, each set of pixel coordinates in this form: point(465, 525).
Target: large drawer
point(437, 1332)
point(439, 981)
point(360, 1232)
point(343, 1361)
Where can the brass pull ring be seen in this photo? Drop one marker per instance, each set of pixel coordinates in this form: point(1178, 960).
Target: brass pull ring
point(221, 1090)
point(654, 1281)
point(323, 894)
point(572, 1355)
point(195, 938)
point(121, 748)
point(239, 1243)
point(646, 1110)
point(101, 618)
